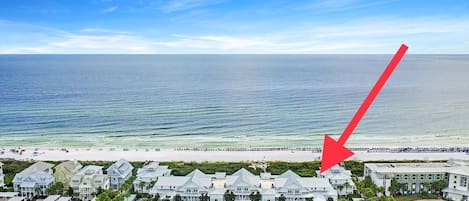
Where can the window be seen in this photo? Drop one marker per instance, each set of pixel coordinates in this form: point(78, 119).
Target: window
point(463, 182)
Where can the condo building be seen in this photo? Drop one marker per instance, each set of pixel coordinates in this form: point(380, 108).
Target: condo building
point(411, 176)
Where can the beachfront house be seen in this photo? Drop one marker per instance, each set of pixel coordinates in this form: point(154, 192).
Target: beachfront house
point(89, 181)
point(242, 183)
point(188, 188)
point(339, 178)
point(412, 178)
point(458, 185)
point(119, 172)
point(2, 177)
point(296, 188)
point(148, 175)
point(65, 170)
point(34, 180)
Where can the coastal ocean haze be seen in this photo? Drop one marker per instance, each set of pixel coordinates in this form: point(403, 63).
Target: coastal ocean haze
point(172, 101)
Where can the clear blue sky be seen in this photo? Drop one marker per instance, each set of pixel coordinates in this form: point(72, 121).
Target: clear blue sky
point(222, 26)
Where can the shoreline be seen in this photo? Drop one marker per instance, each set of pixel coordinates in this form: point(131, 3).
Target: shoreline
point(291, 155)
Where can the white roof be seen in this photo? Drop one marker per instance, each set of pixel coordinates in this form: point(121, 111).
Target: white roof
point(171, 181)
point(195, 177)
point(152, 170)
point(337, 173)
point(38, 166)
point(460, 170)
point(90, 169)
point(52, 198)
point(121, 167)
point(289, 174)
point(408, 167)
point(306, 182)
point(196, 173)
point(242, 175)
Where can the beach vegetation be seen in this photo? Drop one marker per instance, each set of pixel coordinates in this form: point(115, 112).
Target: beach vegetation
point(184, 168)
point(304, 169)
point(204, 197)
point(55, 189)
point(229, 196)
point(282, 198)
point(255, 196)
point(157, 197)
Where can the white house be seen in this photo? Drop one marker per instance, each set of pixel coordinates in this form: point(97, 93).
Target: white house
point(87, 182)
point(34, 180)
point(296, 188)
point(340, 179)
point(458, 184)
point(189, 187)
point(242, 183)
point(119, 172)
point(2, 177)
point(148, 175)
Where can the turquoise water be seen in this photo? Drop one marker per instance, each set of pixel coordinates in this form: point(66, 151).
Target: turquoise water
point(229, 100)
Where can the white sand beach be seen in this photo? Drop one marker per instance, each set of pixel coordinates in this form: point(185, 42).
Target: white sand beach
point(55, 154)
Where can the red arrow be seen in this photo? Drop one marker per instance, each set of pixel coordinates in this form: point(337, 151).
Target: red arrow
point(333, 151)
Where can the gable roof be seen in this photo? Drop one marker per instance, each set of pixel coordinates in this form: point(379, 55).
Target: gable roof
point(69, 166)
point(196, 173)
point(35, 172)
point(33, 177)
point(242, 176)
point(121, 168)
point(461, 170)
point(38, 166)
point(90, 170)
point(171, 181)
point(289, 174)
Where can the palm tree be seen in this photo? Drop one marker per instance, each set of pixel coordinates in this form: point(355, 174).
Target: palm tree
point(229, 196)
point(426, 187)
point(347, 186)
point(340, 187)
point(381, 190)
point(157, 197)
point(177, 197)
point(282, 198)
point(37, 190)
point(255, 197)
point(141, 185)
point(204, 197)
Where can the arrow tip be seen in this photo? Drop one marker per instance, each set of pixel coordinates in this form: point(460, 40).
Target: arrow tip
point(333, 153)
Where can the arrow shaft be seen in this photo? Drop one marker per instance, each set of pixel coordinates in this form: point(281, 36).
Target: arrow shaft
point(372, 95)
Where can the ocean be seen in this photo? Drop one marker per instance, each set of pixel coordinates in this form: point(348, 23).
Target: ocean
point(175, 101)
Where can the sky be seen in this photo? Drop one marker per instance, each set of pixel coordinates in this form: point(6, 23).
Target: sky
point(239, 27)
